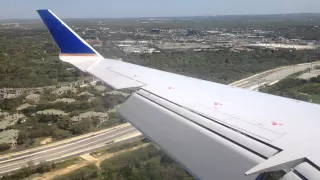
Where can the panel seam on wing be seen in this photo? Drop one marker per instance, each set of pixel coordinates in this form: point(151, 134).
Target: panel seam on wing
point(126, 76)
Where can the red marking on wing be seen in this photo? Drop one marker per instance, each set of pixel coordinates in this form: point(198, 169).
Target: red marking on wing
point(276, 123)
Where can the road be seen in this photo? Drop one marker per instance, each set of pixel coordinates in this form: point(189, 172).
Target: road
point(272, 76)
point(68, 149)
point(93, 141)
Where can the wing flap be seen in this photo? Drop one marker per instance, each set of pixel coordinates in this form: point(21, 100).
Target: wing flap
point(308, 171)
point(193, 146)
point(230, 106)
point(233, 135)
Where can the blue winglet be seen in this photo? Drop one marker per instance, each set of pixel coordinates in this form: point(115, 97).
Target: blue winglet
point(68, 41)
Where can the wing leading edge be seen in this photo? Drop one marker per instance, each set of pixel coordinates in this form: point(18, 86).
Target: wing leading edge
point(215, 131)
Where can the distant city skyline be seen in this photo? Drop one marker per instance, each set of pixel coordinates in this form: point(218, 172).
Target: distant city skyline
point(10, 9)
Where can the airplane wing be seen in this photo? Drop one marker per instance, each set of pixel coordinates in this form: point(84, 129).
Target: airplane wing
point(216, 131)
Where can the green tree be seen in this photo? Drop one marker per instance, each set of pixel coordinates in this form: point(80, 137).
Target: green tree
point(165, 159)
point(4, 146)
point(29, 111)
point(64, 122)
point(315, 79)
point(95, 121)
point(61, 134)
point(82, 127)
point(43, 167)
point(11, 104)
point(48, 118)
point(22, 137)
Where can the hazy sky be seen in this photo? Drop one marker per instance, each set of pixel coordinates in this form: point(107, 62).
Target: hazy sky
point(149, 8)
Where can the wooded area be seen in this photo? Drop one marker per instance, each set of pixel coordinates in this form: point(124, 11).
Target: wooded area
point(223, 65)
point(145, 163)
point(30, 59)
point(304, 90)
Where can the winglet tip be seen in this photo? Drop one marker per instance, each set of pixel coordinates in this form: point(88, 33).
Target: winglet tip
point(68, 41)
point(42, 10)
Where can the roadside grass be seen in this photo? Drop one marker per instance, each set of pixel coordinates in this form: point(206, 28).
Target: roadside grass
point(68, 162)
point(118, 147)
point(88, 172)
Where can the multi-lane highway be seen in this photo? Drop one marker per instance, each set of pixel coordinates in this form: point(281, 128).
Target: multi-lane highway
point(93, 141)
point(272, 76)
point(70, 148)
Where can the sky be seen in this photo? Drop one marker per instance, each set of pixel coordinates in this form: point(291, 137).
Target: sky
point(153, 8)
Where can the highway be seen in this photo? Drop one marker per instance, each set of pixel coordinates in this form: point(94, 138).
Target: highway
point(272, 76)
point(68, 149)
point(120, 134)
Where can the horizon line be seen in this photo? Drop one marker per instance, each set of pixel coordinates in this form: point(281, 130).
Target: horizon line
point(182, 16)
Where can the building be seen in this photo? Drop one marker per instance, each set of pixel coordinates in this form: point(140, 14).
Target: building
point(94, 41)
point(2, 95)
point(103, 117)
point(9, 93)
point(155, 31)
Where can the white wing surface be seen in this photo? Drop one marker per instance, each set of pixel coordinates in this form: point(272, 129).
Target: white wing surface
point(216, 131)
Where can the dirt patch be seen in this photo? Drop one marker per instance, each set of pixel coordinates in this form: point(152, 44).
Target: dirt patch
point(89, 158)
point(46, 141)
point(33, 97)
point(53, 174)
